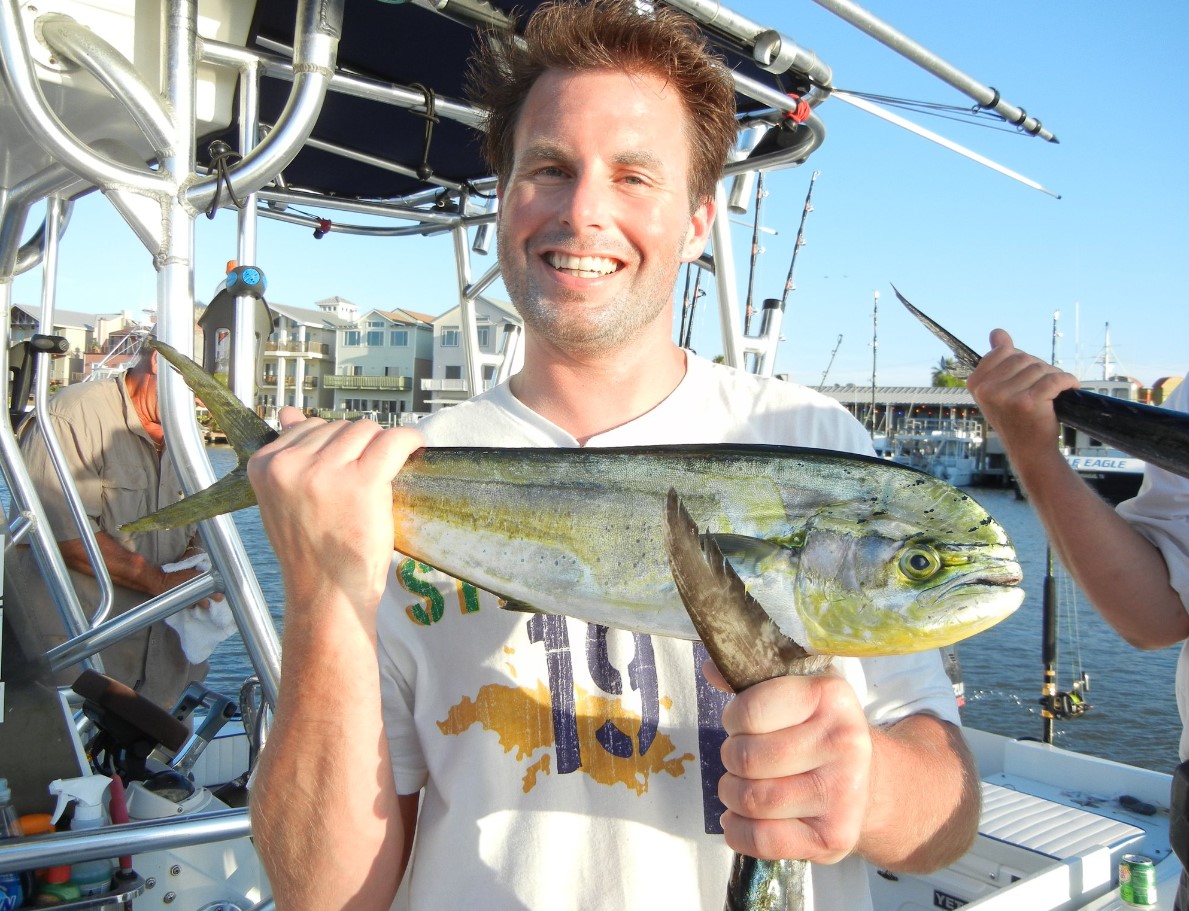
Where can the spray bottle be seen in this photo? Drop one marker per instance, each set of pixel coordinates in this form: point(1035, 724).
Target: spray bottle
point(15, 888)
point(93, 877)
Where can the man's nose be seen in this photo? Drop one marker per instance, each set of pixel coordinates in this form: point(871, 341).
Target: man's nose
point(587, 203)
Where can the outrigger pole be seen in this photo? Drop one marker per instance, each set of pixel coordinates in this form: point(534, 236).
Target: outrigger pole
point(986, 97)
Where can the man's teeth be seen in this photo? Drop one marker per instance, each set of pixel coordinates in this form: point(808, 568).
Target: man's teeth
point(584, 266)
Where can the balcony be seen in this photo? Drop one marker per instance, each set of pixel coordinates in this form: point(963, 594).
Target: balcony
point(316, 348)
point(391, 383)
point(444, 385)
point(269, 381)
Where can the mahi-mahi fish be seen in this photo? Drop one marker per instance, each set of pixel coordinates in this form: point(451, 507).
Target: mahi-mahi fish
point(849, 554)
point(1159, 436)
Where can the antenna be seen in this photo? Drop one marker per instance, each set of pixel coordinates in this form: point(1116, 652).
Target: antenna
point(874, 350)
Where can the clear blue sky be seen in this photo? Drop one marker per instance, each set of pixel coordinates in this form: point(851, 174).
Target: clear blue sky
point(970, 247)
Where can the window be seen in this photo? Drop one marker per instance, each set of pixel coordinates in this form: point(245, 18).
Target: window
point(399, 338)
point(484, 336)
point(450, 337)
point(351, 338)
point(454, 372)
point(375, 338)
point(375, 324)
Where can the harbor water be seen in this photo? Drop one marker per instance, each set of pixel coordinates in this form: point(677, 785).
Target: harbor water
point(1133, 717)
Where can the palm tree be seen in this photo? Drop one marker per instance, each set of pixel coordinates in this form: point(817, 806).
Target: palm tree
point(943, 373)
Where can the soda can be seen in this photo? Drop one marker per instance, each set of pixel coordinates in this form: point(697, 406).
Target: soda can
point(1137, 881)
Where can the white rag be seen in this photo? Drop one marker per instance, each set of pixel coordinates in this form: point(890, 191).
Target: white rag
point(200, 629)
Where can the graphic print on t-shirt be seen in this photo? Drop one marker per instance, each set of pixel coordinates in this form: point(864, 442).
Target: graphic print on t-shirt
point(613, 732)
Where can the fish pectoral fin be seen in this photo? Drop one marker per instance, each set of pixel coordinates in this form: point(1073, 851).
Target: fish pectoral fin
point(518, 606)
point(745, 643)
point(749, 556)
point(231, 492)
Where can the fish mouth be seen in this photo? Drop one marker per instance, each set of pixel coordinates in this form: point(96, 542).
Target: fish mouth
point(981, 600)
point(590, 266)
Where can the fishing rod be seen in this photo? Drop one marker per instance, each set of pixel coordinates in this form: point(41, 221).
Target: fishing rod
point(755, 251)
point(693, 303)
point(797, 245)
point(1054, 703)
point(684, 304)
point(837, 345)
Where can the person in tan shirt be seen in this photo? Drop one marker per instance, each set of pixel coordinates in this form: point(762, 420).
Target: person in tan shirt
point(111, 436)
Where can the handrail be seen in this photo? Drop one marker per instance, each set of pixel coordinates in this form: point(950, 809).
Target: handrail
point(74, 502)
point(35, 851)
point(134, 620)
point(24, 92)
point(82, 46)
point(316, 40)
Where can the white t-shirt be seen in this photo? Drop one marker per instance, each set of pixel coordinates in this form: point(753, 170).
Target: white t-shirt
point(1160, 512)
point(568, 766)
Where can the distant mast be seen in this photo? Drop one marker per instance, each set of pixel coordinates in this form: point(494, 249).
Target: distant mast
point(1106, 358)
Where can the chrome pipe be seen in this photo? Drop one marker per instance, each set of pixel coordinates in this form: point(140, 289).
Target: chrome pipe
point(34, 522)
point(175, 296)
point(74, 503)
point(382, 163)
point(153, 835)
point(399, 96)
point(319, 26)
point(367, 207)
point(132, 621)
point(18, 73)
point(84, 47)
point(243, 353)
point(906, 47)
point(771, 50)
point(730, 324)
point(470, 334)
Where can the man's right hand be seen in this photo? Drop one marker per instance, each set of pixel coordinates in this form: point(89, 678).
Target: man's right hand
point(326, 503)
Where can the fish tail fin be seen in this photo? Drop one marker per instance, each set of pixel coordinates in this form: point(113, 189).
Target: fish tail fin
point(231, 492)
point(246, 431)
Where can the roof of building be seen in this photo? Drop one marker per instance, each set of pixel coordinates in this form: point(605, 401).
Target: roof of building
point(70, 319)
point(851, 394)
point(503, 306)
point(401, 315)
point(318, 318)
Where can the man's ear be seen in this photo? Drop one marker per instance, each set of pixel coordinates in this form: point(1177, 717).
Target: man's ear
point(696, 238)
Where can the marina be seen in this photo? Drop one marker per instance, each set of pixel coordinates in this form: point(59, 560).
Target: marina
point(147, 106)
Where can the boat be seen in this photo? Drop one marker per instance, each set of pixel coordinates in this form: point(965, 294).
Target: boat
point(329, 114)
point(947, 448)
point(1114, 474)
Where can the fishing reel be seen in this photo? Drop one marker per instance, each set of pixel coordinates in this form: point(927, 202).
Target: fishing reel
point(1065, 705)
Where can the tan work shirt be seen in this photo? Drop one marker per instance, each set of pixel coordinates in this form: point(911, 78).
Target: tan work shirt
point(120, 476)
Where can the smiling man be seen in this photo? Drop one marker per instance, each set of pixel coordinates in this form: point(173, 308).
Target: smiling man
point(541, 762)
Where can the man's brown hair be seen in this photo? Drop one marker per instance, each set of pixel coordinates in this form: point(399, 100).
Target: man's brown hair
point(608, 35)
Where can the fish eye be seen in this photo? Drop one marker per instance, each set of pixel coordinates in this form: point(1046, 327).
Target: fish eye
point(919, 563)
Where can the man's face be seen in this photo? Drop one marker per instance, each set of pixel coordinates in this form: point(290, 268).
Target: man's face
point(595, 217)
